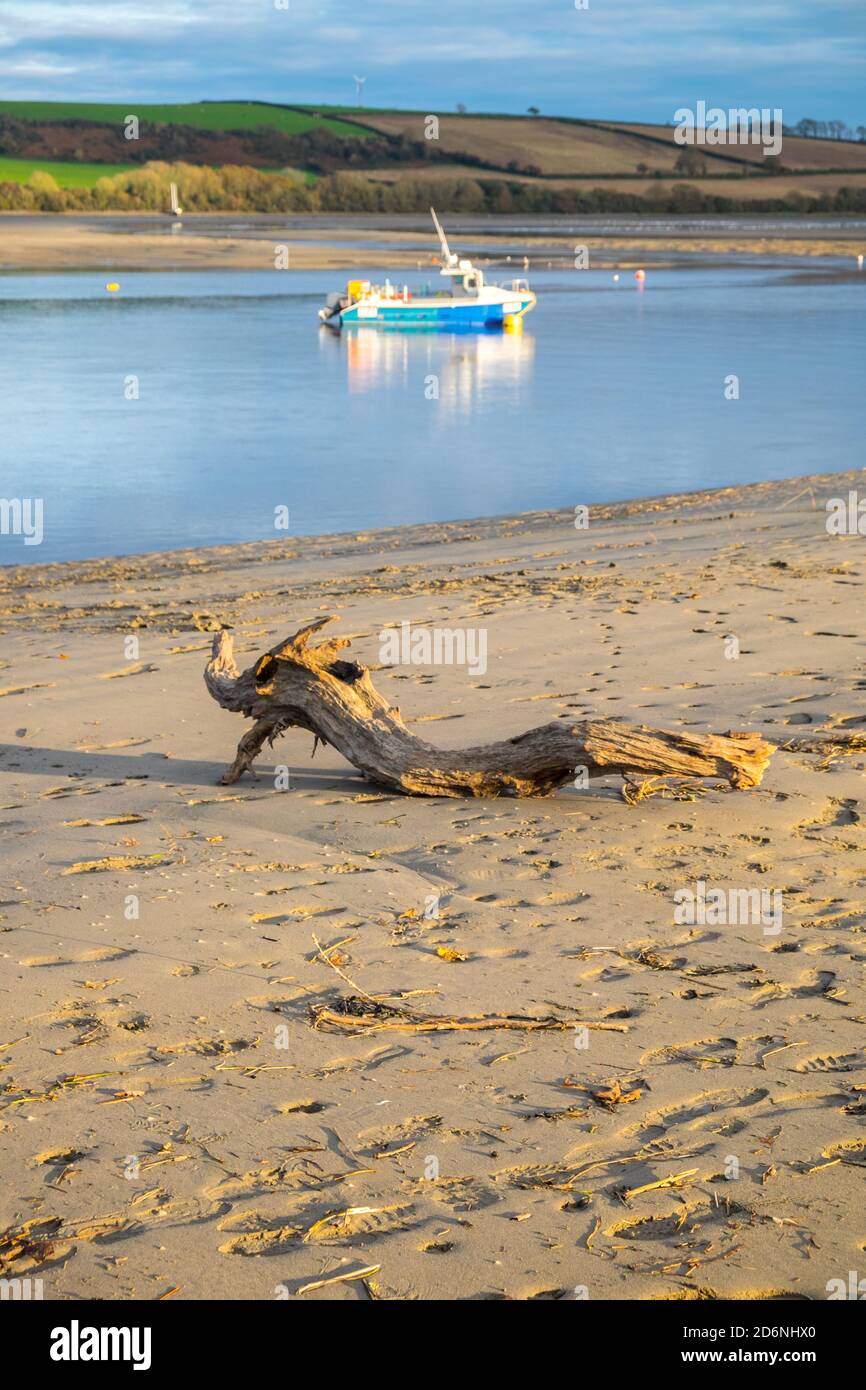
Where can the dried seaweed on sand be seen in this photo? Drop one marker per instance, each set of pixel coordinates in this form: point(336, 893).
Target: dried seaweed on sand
point(354, 1014)
point(668, 788)
point(831, 746)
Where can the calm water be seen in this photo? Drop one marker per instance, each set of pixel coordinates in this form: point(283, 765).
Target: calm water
point(246, 404)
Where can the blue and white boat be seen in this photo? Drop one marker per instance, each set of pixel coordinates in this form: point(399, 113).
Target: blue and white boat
point(468, 303)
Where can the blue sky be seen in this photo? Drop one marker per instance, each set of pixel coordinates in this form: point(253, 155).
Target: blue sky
point(626, 59)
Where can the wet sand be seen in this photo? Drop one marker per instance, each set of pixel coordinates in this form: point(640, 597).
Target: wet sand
point(172, 1123)
point(207, 242)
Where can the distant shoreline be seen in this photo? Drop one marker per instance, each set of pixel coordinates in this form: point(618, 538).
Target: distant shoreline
point(242, 241)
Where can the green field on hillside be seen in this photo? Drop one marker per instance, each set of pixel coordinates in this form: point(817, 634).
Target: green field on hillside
point(205, 115)
point(86, 175)
point(65, 175)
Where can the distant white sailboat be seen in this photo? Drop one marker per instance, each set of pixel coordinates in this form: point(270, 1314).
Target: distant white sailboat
point(176, 209)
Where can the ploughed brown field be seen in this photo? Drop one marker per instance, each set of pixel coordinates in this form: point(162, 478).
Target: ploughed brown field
point(550, 146)
point(557, 147)
point(797, 153)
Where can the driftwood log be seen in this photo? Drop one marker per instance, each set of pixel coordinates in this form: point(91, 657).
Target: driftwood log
point(296, 685)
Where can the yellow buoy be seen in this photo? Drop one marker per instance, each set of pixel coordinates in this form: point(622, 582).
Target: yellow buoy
point(112, 286)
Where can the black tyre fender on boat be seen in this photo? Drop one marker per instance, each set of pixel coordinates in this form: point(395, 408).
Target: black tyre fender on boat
point(334, 306)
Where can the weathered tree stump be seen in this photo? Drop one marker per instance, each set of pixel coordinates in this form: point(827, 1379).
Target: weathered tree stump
point(296, 685)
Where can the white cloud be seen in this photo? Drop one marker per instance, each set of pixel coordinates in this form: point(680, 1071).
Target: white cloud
point(504, 53)
point(32, 67)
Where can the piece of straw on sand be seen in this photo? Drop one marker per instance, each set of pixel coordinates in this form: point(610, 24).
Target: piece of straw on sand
point(340, 1278)
point(353, 1014)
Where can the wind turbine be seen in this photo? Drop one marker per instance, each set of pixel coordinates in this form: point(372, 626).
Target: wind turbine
point(359, 83)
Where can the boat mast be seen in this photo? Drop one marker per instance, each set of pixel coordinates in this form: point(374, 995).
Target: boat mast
point(449, 260)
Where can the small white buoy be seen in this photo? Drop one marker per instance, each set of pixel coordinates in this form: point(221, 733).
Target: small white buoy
point(616, 279)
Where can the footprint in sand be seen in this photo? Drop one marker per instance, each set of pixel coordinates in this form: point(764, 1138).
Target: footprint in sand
point(684, 1221)
point(709, 1106)
point(377, 1142)
point(206, 1047)
point(98, 955)
point(706, 1051)
point(851, 1061)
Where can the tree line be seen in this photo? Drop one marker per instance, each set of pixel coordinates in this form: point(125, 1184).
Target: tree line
point(826, 130)
point(236, 188)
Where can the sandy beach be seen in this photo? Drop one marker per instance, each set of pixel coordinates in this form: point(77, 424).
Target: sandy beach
point(172, 1122)
point(58, 242)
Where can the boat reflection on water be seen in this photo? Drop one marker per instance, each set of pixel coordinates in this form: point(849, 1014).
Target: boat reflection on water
point(457, 369)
